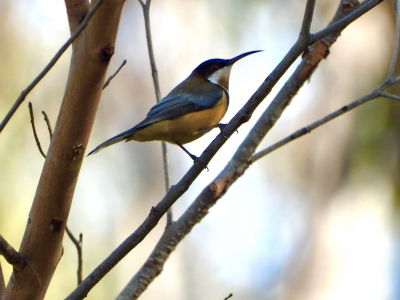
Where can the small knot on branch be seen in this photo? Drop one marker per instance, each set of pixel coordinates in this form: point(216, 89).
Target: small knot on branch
point(106, 53)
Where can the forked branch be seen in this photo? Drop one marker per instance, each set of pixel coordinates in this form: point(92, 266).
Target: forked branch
point(11, 255)
point(224, 181)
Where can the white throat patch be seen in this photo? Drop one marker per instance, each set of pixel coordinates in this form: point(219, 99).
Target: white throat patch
point(222, 74)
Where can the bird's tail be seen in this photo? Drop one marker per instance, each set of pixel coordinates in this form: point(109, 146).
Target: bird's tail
point(118, 138)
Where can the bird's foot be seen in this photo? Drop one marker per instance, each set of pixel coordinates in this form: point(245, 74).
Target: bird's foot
point(221, 127)
point(193, 157)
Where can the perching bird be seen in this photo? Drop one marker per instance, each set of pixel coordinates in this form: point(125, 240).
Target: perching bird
point(190, 110)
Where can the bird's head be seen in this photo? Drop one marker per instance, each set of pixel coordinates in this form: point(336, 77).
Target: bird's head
point(217, 70)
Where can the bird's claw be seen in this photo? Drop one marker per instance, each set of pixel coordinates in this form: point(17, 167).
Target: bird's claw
point(196, 160)
point(221, 127)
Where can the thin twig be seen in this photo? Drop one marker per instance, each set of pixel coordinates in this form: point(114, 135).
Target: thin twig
point(307, 19)
point(11, 255)
point(154, 73)
point(46, 118)
point(396, 41)
point(113, 75)
point(378, 92)
point(181, 187)
point(78, 245)
point(34, 130)
point(52, 62)
point(229, 296)
point(390, 96)
point(364, 7)
point(307, 129)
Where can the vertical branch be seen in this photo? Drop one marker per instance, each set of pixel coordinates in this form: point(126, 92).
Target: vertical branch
point(307, 19)
point(396, 41)
point(78, 245)
point(154, 73)
point(41, 245)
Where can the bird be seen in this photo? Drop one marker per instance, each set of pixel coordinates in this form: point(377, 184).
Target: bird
point(193, 108)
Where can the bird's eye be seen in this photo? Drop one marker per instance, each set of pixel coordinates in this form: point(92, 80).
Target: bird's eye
point(214, 67)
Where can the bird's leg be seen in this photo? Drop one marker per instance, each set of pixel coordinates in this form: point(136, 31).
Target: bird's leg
point(194, 157)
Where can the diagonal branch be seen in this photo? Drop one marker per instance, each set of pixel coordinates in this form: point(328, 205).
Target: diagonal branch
point(307, 129)
point(11, 255)
point(52, 62)
point(113, 75)
point(376, 93)
point(215, 190)
point(339, 25)
point(177, 190)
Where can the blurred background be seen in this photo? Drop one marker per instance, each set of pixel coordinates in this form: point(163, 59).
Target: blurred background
point(317, 219)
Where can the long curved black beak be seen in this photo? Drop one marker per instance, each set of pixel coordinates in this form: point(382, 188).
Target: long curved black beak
point(235, 59)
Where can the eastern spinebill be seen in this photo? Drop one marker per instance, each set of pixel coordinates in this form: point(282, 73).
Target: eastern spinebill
point(190, 110)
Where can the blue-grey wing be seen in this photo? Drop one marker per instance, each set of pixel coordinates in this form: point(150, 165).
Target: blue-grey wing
point(177, 104)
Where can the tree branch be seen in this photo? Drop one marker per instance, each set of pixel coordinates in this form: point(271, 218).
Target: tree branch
point(34, 130)
point(113, 75)
point(239, 163)
point(396, 44)
point(52, 62)
point(46, 118)
point(229, 296)
point(177, 190)
point(154, 73)
point(361, 9)
point(42, 242)
point(78, 245)
point(11, 255)
point(307, 19)
point(378, 92)
point(307, 129)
